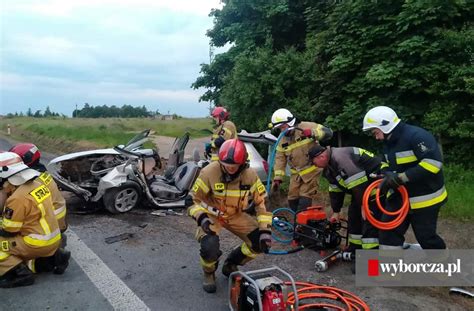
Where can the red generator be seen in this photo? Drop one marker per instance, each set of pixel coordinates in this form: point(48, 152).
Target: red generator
point(260, 290)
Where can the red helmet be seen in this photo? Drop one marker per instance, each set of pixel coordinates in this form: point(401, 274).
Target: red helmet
point(221, 113)
point(28, 152)
point(233, 151)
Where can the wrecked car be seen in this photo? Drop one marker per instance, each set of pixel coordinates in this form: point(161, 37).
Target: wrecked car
point(123, 176)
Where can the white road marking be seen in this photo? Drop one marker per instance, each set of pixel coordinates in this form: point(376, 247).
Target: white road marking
point(108, 283)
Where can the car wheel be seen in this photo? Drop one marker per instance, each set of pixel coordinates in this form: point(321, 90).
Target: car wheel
point(122, 199)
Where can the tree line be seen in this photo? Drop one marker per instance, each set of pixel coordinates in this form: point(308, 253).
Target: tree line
point(89, 111)
point(37, 114)
point(126, 111)
point(331, 61)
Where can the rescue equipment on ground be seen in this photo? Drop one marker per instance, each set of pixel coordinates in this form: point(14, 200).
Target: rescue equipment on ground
point(323, 264)
point(327, 298)
point(261, 290)
point(308, 228)
point(400, 214)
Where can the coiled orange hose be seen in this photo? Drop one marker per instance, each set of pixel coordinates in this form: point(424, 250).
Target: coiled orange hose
point(400, 213)
point(346, 300)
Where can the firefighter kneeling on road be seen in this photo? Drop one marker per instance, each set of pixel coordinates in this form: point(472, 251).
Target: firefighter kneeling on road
point(348, 170)
point(31, 156)
point(222, 193)
point(29, 234)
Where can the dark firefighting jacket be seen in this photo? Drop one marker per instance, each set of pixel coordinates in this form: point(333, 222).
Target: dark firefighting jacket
point(414, 152)
point(348, 171)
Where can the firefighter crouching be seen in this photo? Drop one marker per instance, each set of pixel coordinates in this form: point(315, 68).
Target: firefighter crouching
point(29, 234)
point(415, 161)
point(293, 150)
point(348, 171)
point(31, 156)
point(222, 193)
point(224, 130)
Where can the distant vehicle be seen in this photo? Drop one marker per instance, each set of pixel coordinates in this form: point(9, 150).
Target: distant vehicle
point(122, 176)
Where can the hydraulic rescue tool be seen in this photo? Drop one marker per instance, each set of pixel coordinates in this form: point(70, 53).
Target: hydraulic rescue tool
point(313, 230)
point(261, 290)
point(323, 264)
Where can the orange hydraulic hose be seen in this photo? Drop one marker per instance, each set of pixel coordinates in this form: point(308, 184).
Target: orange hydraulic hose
point(346, 300)
point(400, 213)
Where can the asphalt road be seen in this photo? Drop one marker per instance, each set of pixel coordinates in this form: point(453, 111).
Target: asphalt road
point(157, 268)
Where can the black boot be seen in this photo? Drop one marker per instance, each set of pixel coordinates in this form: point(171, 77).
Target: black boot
point(61, 260)
point(228, 268)
point(18, 276)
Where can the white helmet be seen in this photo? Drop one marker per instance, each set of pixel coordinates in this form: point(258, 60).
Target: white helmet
point(382, 118)
point(282, 116)
point(13, 169)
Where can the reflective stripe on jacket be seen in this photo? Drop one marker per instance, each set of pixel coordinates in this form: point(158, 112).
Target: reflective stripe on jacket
point(348, 171)
point(29, 212)
point(293, 150)
point(226, 130)
point(414, 151)
point(212, 195)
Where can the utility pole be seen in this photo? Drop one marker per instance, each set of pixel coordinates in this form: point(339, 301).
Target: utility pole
point(211, 58)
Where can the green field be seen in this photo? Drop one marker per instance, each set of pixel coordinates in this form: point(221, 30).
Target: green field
point(103, 132)
point(65, 135)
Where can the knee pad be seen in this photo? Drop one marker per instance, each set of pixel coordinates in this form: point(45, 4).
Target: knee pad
point(210, 248)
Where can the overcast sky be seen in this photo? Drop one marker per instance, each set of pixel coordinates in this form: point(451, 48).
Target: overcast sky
point(60, 53)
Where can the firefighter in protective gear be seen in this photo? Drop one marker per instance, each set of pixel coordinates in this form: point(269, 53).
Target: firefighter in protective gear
point(222, 194)
point(349, 170)
point(31, 156)
point(224, 130)
point(29, 234)
point(415, 161)
point(293, 150)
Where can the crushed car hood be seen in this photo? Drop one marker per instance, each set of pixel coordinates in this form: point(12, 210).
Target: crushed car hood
point(75, 155)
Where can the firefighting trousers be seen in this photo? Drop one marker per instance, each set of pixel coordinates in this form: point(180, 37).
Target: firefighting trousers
point(423, 222)
point(242, 225)
point(304, 187)
point(362, 234)
point(14, 251)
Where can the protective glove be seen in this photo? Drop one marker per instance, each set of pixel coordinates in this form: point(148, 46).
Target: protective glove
point(207, 149)
point(205, 224)
point(306, 133)
point(276, 184)
point(391, 180)
point(265, 241)
point(219, 141)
